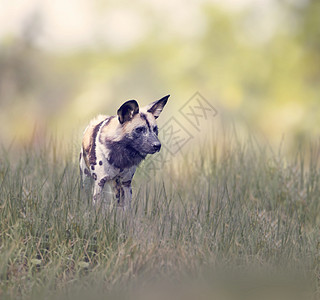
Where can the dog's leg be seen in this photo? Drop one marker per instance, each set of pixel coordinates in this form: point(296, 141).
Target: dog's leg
point(98, 187)
point(126, 190)
point(97, 193)
point(118, 191)
point(122, 191)
point(127, 193)
point(84, 172)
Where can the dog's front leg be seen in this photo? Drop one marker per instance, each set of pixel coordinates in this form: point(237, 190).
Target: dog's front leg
point(127, 193)
point(118, 191)
point(97, 191)
point(98, 187)
point(123, 192)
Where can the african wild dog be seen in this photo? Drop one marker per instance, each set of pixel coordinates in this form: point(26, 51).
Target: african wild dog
point(113, 147)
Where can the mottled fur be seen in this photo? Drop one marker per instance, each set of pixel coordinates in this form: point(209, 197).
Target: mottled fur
point(113, 146)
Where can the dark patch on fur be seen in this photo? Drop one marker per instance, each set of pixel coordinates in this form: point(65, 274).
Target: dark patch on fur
point(100, 162)
point(92, 152)
point(122, 155)
point(86, 171)
point(117, 193)
point(92, 167)
point(118, 196)
point(103, 181)
point(85, 157)
point(118, 190)
point(94, 176)
point(126, 183)
point(155, 130)
point(80, 156)
point(144, 117)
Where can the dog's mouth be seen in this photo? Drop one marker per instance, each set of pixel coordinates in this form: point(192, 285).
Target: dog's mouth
point(152, 152)
point(136, 152)
point(144, 154)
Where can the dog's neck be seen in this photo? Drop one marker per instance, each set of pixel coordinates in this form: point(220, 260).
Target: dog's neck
point(123, 156)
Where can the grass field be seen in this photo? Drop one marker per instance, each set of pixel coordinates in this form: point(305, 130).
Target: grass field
point(232, 221)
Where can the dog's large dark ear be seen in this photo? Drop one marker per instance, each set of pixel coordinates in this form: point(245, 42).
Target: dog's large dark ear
point(156, 107)
point(127, 111)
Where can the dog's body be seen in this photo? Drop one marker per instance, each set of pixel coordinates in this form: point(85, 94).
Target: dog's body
point(113, 146)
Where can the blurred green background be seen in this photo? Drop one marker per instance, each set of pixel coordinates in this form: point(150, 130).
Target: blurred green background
point(62, 62)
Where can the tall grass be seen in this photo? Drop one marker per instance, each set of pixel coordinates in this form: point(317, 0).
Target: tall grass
point(237, 207)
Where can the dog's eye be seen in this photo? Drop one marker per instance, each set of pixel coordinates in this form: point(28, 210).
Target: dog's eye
point(140, 129)
point(155, 129)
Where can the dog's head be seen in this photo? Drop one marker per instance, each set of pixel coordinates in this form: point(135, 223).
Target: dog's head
point(139, 126)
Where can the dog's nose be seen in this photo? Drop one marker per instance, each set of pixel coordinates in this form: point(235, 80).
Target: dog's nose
point(156, 147)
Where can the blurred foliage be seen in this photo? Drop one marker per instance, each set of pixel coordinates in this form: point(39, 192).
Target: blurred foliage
point(265, 77)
